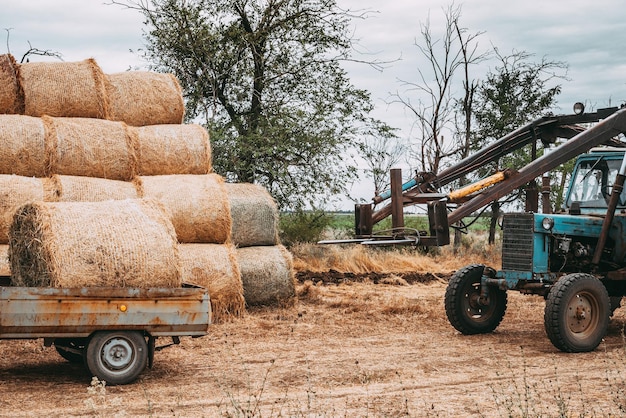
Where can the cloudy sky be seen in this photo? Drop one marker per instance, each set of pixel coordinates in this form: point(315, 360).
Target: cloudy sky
point(587, 35)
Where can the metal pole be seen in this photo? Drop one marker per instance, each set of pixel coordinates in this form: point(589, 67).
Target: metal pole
point(618, 186)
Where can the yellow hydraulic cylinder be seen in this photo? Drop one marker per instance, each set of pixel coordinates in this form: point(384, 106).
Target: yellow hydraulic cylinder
point(456, 195)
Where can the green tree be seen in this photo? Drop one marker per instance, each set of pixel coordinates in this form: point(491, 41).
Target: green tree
point(266, 79)
point(515, 93)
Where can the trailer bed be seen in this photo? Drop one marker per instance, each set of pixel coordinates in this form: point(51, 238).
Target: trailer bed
point(32, 312)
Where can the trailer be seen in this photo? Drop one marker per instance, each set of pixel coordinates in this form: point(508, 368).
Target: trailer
point(112, 330)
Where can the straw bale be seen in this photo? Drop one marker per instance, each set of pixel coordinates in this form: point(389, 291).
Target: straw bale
point(173, 149)
point(16, 191)
point(23, 150)
point(117, 243)
point(89, 147)
point(267, 275)
point(69, 89)
point(92, 189)
point(11, 93)
point(214, 266)
point(198, 205)
point(254, 214)
point(5, 266)
point(142, 98)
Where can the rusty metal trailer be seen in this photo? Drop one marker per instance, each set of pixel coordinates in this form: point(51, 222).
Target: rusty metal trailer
point(112, 330)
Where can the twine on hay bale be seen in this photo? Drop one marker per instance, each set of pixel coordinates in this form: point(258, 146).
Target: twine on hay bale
point(142, 98)
point(92, 189)
point(90, 148)
point(254, 215)
point(16, 191)
point(214, 266)
point(23, 145)
point(198, 205)
point(267, 275)
point(68, 89)
point(124, 243)
point(11, 93)
point(173, 149)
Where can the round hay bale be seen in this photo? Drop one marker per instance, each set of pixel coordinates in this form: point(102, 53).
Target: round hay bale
point(198, 205)
point(90, 148)
point(16, 191)
point(69, 89)
point(117, 243)
point(92, 189)
point(141, 98)
point(173, 149)
point(11, 93)
point(5, 266)
point(267, 275)
point(23, 150)
point(254, 215)
point(214, 266)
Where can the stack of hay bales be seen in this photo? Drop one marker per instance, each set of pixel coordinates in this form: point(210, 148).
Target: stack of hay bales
point(120, 137)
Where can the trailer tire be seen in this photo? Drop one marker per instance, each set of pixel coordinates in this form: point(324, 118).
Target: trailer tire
point(576, 315)
point(67, 348)
point(117, 357)
point(463, 309)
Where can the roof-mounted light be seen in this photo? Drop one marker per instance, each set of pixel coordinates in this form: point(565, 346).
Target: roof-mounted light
point(579, 108)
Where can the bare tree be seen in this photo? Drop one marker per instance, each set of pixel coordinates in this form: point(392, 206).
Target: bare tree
point(430, 100)
point(31, 51)
point(381, 151)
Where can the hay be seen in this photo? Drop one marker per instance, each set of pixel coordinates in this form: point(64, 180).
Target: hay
point(92, 189)
point(16, 191)
point(89, 147)
point(11, 93)
point(173, 149)
point(5, 266)
point(214, 266)
point(198, 205)
point(254, 214)
point(267, 275)
point(69, 89)
point(142, 98)
point(125, 243)
point(22, 150)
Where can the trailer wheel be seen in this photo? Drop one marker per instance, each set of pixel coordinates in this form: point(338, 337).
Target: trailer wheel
point(465, 311)
point(577, 311)
point(72, 350)
point(117, 357)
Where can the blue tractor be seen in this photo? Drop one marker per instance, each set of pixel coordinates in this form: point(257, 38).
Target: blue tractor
point(576, 258)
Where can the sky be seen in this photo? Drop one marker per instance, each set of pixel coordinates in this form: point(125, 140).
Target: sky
point(588, 36)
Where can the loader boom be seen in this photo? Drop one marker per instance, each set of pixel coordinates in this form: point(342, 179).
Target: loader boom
point(426, 188)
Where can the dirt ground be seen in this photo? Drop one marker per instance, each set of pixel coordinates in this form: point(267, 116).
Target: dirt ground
point(349, 347)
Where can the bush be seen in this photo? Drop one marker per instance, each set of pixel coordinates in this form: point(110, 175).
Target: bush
point(303, 226)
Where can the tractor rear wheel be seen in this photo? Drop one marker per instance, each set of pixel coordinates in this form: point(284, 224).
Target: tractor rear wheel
point(577, 311)
point(464, 307)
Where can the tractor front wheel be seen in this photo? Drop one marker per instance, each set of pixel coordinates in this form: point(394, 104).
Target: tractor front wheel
point(465, 309)
point(577, 313)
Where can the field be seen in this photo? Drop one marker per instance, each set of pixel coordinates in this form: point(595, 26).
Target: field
point(352, 345)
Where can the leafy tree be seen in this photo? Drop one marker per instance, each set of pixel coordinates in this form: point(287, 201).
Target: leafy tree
point(265, 78)
point(517, 92)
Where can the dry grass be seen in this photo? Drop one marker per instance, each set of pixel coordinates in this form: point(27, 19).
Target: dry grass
point(359, 259)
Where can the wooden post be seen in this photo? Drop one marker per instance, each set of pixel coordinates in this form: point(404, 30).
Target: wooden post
point(397, 206)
